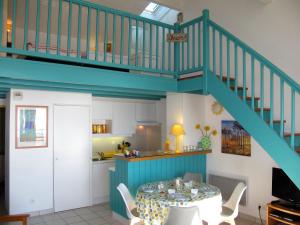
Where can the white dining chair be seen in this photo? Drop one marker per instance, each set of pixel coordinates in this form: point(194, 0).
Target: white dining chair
point(131, 208)
point(184, 216)
point(192, 176)
point(230, 209)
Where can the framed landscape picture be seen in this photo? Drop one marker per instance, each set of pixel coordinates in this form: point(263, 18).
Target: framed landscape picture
point(31, 126)
point(235, 139)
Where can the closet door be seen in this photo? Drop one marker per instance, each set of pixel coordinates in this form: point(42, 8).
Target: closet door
point(71, 157)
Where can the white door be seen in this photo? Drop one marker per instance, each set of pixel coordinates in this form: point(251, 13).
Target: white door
point(71, 157)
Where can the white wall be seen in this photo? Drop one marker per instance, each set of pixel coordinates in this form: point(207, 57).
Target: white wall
point(257, 169)
point(30, 171)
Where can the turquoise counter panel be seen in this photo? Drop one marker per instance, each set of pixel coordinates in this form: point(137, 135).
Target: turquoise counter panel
point(134, 174)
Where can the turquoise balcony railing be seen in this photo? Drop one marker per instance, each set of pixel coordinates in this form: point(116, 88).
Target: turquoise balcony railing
point(82, 32)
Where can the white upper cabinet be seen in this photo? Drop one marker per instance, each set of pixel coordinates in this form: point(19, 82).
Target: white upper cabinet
point(102, 110)
point(123, 118)
point(145, 112)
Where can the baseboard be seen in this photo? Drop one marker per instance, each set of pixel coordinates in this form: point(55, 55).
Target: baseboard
point(120, 218)
point(100, 200)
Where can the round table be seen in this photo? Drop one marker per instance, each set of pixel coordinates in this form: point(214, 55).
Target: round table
point(153, 203)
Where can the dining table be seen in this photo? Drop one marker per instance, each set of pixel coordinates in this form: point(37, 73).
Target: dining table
point(154, 199)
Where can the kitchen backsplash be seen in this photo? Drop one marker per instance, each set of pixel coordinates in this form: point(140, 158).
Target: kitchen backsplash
point(146, 138)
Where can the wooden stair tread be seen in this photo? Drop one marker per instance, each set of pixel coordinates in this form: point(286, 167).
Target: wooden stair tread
point(224, 78)
point(289, 134)
point(275, 121)
point(264, 109)
point(239, 88)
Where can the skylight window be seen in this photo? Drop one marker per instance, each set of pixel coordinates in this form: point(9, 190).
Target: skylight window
point(151, 7)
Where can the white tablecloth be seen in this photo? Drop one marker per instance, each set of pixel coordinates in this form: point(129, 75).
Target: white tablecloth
point(153, 204)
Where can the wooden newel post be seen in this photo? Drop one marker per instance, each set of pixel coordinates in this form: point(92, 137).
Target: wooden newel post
point(205, 14)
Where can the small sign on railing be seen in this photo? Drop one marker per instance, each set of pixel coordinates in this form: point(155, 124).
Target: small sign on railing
point(177, 37)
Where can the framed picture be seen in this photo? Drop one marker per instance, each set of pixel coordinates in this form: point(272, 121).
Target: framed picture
point(235, 139)
point(31, 126)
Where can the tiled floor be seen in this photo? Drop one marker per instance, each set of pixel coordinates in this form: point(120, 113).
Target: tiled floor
point(95, 215)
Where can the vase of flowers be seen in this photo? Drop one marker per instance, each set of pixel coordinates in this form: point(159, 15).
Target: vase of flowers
point(205, 140)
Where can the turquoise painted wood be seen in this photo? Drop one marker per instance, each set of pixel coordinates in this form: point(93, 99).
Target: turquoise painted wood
point(276, 147)
point(25, 24)
point(48, 26)
point(1, 21)
point(16, 69)
point(134, 174)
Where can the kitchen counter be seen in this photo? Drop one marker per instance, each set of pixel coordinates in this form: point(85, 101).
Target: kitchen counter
point(152, 155)
point(150, 167)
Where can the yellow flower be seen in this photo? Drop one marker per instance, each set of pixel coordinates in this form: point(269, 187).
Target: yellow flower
point(197, 126)
point(214, 132)
point(207, 128)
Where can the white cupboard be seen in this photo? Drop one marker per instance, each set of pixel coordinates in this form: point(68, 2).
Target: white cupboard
point(101, 181)
point(102, 110)
point(123, 120)
point(145, 112)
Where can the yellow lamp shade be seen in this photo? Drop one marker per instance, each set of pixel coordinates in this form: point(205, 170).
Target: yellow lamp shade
point(177, 130)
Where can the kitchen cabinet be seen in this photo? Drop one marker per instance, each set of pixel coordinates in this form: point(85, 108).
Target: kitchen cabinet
point(102, 110)
point(145, 112)
point(123, 118)
point(101, 180)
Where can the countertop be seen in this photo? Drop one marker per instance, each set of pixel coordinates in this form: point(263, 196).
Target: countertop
point(151, 155)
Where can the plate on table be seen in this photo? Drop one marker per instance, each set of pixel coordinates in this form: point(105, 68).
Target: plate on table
point(148, 190)
point(179, 197)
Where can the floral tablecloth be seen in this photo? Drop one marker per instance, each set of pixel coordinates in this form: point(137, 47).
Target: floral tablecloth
point(153, 203)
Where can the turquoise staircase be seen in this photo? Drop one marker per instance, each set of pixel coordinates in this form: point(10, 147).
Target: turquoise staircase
point(254, 108)
point(243, 81)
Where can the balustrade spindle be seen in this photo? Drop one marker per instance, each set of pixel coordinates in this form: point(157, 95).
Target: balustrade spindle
point(136, 42)
point(37, 27)
point(59, 27)
point(199, 44)
point(150, 48)
point(193, 46)
point(281, 107)
point(114, 39)
point(221, 55)
point(262, 90)
point(122, 40)
point(1, 21)
point(182, 55)
point(105, 35)
point(157, 46)
point(169, 52)
point(144, 43)
point(252, 82)
point(271, 97)
point(48, 40)
point(228, 62)
point(236, 81)
point(188, 49)
point(69, 28)
point(244, 76)
point(292, 118)
point(214, 52)
point(25, 24)
point(97, 36)
point(163, 49)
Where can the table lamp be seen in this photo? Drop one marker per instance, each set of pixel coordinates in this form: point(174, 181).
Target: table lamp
point(177, 130)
